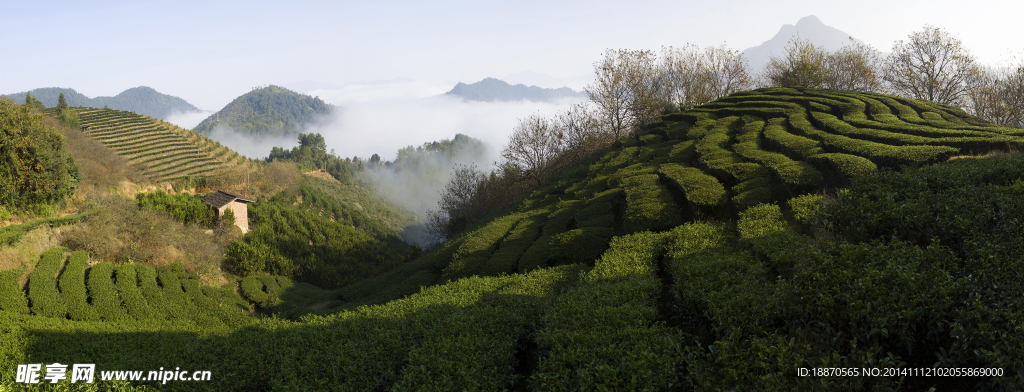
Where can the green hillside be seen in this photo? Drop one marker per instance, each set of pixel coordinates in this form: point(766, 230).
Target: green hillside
point(160, 150)
point(142, 100)
point(270, 111)
point(724, 248)
point(763, 146)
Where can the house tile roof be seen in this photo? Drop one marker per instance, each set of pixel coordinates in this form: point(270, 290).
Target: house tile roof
point(220, 199)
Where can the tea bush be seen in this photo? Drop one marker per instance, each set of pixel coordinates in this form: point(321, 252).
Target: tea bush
point(42, 285)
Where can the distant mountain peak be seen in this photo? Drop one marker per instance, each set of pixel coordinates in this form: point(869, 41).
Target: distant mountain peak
point(492, 89)
point(809, 28)
point(809, 21)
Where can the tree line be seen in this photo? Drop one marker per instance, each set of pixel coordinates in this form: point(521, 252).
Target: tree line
point(633, 88)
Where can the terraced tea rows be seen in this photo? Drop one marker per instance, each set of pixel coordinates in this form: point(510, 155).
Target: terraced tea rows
point(68, 288)
point(161, 150)
point(758, 146)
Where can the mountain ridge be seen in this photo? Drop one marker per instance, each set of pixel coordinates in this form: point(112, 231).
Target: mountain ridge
point(141, 100)
point(493, 89)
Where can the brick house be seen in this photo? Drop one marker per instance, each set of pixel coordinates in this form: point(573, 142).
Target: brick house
point(223, 201)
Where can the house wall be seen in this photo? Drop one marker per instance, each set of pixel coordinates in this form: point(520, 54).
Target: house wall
point(241, 214)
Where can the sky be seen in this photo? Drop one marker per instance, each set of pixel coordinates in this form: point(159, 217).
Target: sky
point(211, 52)
point(386, 62)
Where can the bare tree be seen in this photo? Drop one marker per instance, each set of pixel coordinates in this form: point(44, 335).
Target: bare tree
point(647, 93)
point(609, 92)
point(533, 146)
point(684, 76)
point(582, 133)
point(725, 72)
point(1012, 93)
point(931, 65)
point(455, 209)
point(628, 89)
point(802, 64)
point(998, 96)
point(694, 77)
point(854, 67)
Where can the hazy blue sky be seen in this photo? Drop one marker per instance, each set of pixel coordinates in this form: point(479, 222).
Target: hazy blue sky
point(210, 53)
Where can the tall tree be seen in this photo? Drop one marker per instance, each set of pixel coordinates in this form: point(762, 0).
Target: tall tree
point(610, 93)
point(33, 103)
point(61, 103)
point(931, 65)
point(533, 146)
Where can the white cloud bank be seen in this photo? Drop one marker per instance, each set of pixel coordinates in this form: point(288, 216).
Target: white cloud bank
point(188, 120)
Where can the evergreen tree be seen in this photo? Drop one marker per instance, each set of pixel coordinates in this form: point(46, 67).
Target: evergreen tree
point(61, 103)
point(33, 103)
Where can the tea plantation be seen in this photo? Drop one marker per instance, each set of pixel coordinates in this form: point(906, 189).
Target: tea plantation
point(724, 248)
point(162, 151)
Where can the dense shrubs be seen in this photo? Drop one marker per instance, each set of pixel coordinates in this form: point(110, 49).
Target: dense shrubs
point(131, 294)
point(104, 294)
point(12, 299)
point(839, 167)
point(649, 206)
point(72, 288)
point(116, 230)
point(305, 243)
point(37, 167)
point(579, 246)
point(184, 208)
point(601, 334)
point(265, 290)
point(703, 192)
point(12, 233)
point(478, 247)
point(518, 240)
point(541, 253)
point(152, 293)
point(42, 285)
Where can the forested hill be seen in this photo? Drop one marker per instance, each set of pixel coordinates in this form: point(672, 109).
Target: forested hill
point(491, 89)
point(267, 111)
point(141, 100)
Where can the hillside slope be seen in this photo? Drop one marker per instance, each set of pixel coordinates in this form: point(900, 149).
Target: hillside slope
point(142, 100)
point(703, 254)
point(267, 111)
point(714, 161)
point(160, 150)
